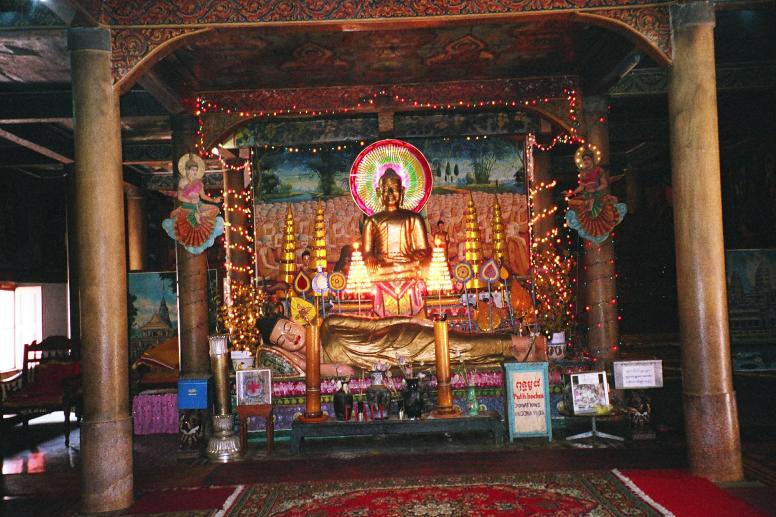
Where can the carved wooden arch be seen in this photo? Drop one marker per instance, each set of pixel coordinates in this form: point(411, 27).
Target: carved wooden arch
point(648, 28)
point(137, 47)
point(135, 50)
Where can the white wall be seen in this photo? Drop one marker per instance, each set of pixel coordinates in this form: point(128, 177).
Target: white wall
point(54, 309)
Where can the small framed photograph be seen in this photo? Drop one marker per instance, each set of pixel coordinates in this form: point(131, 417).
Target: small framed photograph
point(589, 390)
point(254, 387)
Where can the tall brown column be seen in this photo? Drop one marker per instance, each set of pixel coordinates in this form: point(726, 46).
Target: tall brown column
point(710, 412)
point(106, 431)
point(192, 274)
point(238, 248)
point(599, 287)
point(136, 229)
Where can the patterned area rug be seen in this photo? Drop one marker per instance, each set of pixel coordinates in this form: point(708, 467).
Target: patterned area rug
point(580, 493)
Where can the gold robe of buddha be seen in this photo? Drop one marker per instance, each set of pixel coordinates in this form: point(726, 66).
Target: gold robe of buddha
point(361, 342)
point(395, 241)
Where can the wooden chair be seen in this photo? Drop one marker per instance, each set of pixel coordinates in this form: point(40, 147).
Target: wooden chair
point(50, 380)
point(262, 410)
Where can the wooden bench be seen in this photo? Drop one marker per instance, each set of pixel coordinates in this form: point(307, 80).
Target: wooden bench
point(50, 380)
point(485, 421)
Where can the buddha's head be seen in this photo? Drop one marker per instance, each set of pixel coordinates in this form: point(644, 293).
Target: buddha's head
point(280, 331)
point(390, 190)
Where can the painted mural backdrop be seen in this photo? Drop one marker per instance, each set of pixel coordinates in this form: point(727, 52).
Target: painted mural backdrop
point(153, 308)
point(488, 167)
point(751, 278)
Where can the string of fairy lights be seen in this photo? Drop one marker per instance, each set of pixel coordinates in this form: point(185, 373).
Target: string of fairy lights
point(553, 280)
point(239, 238)
point(553, 283)
point(204, 106)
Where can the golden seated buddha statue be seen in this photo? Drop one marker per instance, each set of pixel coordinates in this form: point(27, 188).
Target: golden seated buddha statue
point(395, 240)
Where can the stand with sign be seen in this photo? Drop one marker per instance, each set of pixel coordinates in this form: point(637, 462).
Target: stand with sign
point(637, 376)
point(528, 400)
point(589, 395)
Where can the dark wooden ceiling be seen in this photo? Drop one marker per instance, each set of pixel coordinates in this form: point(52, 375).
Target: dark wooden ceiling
point(36, 104)
point(273, 58)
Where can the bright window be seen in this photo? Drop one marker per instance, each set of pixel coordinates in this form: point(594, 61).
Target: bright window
point(21, 322)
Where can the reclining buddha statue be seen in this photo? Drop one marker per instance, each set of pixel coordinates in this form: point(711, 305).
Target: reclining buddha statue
point(349, 341)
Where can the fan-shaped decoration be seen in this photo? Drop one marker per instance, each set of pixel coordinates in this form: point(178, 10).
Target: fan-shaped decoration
point(302, 282)
point(463, 272)
point(408, 162)
point(337, 282)
point(320, 283)
point(489, 272)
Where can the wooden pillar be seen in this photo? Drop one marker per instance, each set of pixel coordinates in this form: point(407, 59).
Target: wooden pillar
point(599, 286)
point(106, 431)
point(710, 412)
point(238, 247)
point(136, 228)
point(192, 274)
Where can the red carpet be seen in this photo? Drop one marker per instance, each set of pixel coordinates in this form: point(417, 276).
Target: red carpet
point(601, 493)
point(684, 495)
point(185, 501)
point(568, 494)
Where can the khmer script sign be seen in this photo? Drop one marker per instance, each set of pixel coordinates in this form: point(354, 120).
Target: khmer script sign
point(528, 400)
point(630, 375)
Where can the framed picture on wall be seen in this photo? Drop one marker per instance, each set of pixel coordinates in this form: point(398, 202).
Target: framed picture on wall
point(254, 387)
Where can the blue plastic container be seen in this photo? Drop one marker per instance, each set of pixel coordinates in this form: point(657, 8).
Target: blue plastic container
point(193, 394)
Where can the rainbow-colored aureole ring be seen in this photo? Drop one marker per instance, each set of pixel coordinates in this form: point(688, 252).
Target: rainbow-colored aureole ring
point(404, 158)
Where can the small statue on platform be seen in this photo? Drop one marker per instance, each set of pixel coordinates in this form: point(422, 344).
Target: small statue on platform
point(395, 240)
point(194, 224)
point(593, 212)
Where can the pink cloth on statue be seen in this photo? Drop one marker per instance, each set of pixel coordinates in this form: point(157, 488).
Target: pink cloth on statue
point(155, 412)
point(388, 296)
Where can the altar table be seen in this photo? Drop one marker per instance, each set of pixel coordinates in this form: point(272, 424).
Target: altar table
point(485, 421)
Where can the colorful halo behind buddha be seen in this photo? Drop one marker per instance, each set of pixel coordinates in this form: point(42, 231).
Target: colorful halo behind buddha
point(408, 162)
